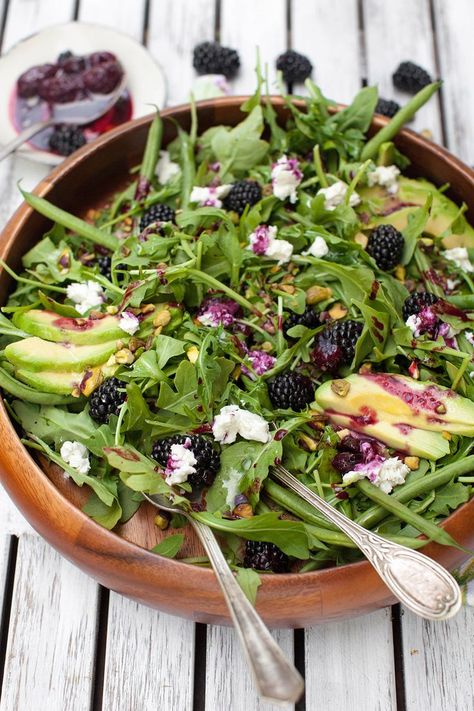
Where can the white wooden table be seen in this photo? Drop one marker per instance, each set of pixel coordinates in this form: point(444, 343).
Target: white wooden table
point(68, 645)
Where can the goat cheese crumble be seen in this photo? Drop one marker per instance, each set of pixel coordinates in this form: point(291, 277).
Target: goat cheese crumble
point(165, 168)
point(335, 194)
point(129, 323)
point(233, 420)
point(76, 455)
point(210, 196)
point(180, 464)
point(263, 241)
point(318, 249)
point(460, 257)
point(384, 473)
point(386, 176)
point(286, 176)
point(85, 296)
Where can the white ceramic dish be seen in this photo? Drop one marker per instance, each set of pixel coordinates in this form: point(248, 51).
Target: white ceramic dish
point(146, 82)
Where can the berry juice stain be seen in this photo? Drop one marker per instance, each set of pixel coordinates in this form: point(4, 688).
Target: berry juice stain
point(427, 399)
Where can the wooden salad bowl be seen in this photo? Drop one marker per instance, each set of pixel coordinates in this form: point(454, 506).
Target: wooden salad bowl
point(121, 560)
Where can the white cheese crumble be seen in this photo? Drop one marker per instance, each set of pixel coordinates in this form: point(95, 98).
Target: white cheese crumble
point(129, 323)
point(180, 464)
point(85, 296)
point(392, 472)
point(460, 257)
point(210, 196)
point(263, 241)
point(414, 324)
point(335, 194)
point(76, 455)
point(386, 176)
point(286, 176)
point(470, 337)
point(166, 168)
point(279, 249)
point(318, 249)
point(233, 420)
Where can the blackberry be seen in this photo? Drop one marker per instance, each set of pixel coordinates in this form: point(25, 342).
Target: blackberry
point(29, 82)
point(265, 556)
point(157, 213)
point(417, 302)
point(208, 458)
point(61, 89)
point(385, 246)
point(290, 391)
point(101, 58)
point(345, 462)
point(410, 77)
point(104, 262)
point(294, 66)
point(387, 107)
point(106, 400)
point(243, 193)
point(212, 58)
point(103, 78)
point(66, 139)
point(309, 318)
point(336, 345)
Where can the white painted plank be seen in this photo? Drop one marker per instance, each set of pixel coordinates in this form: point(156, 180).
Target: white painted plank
point(174, 29)
point(327, 32)
point(123, 15)
point(50, 650)
point(349, 665)
point(161, 649)
point(229, 684)
point(455, 29)
point(28, 16)
point(246, 25)
point(12, 522)
point(4, 553)
point(395, 32)
point(438, 662)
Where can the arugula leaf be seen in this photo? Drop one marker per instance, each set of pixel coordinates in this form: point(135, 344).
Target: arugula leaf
point(360, 112)
point(417, 220)
point(249, 581)
point(289, 536)
point(107, 516)
point(167, 348)
point(240, 148)
point(184, 398)
point(449, 497)
point(170, 546)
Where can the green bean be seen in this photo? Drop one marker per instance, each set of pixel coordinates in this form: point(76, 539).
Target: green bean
point(71, 222)
point(406, 113)
point(24, 392)
point(337, 538)
point(150, 158)
point(407, 492)
point(31, 282)
point(462, 301)
point(187, 165)
point(429, 529)
point(294, 503)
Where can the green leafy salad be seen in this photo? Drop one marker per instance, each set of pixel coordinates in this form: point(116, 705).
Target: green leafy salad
point(263, 294)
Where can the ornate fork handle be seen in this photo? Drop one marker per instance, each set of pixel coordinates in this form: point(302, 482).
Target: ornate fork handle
point(421, 584)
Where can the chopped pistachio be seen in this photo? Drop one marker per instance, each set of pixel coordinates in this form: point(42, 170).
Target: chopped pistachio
point(340, 387)
point(315, 294)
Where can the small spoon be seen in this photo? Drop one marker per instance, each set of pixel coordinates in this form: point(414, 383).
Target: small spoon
point(67, 113)
point(276, 679)
point(421, 584)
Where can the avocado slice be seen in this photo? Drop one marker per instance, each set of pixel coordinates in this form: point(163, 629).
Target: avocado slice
point(37, 354)
point(395, 210)
point(419, 443)
point(82, 331)
point(399, 400)
point(50, 382)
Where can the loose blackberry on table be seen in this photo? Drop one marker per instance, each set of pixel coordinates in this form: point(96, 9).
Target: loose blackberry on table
point(385, 245)
point(290, 391)
point(243, 193)
point(66, 139)
point(335, 346)
point(410, 77)
point(160, 212)
point(387, 107)
point(107, 400)
point(213, 58)
point(417, 302)
point(206, 454)
point(266, 557)
point(294, 66)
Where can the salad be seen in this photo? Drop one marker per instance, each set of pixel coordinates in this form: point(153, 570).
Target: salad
point(259, 294)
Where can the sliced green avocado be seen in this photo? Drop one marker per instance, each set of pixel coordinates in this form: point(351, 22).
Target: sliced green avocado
point(50, 382)
point(36, 354)
point(82, 331)
point(419, 443)
point(400, 400)
point(412, 194)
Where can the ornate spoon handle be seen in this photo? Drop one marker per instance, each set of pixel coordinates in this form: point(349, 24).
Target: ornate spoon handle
point(276, 678)
point(421, 584)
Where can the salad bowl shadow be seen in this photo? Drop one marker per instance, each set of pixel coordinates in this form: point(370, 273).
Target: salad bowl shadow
point(122, 560)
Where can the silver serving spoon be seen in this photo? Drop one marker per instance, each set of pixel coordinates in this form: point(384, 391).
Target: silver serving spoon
point(421, 584)
point(69, 113)
point(276, 679)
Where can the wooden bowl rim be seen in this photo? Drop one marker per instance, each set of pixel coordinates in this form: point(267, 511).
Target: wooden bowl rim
point(16, 463)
